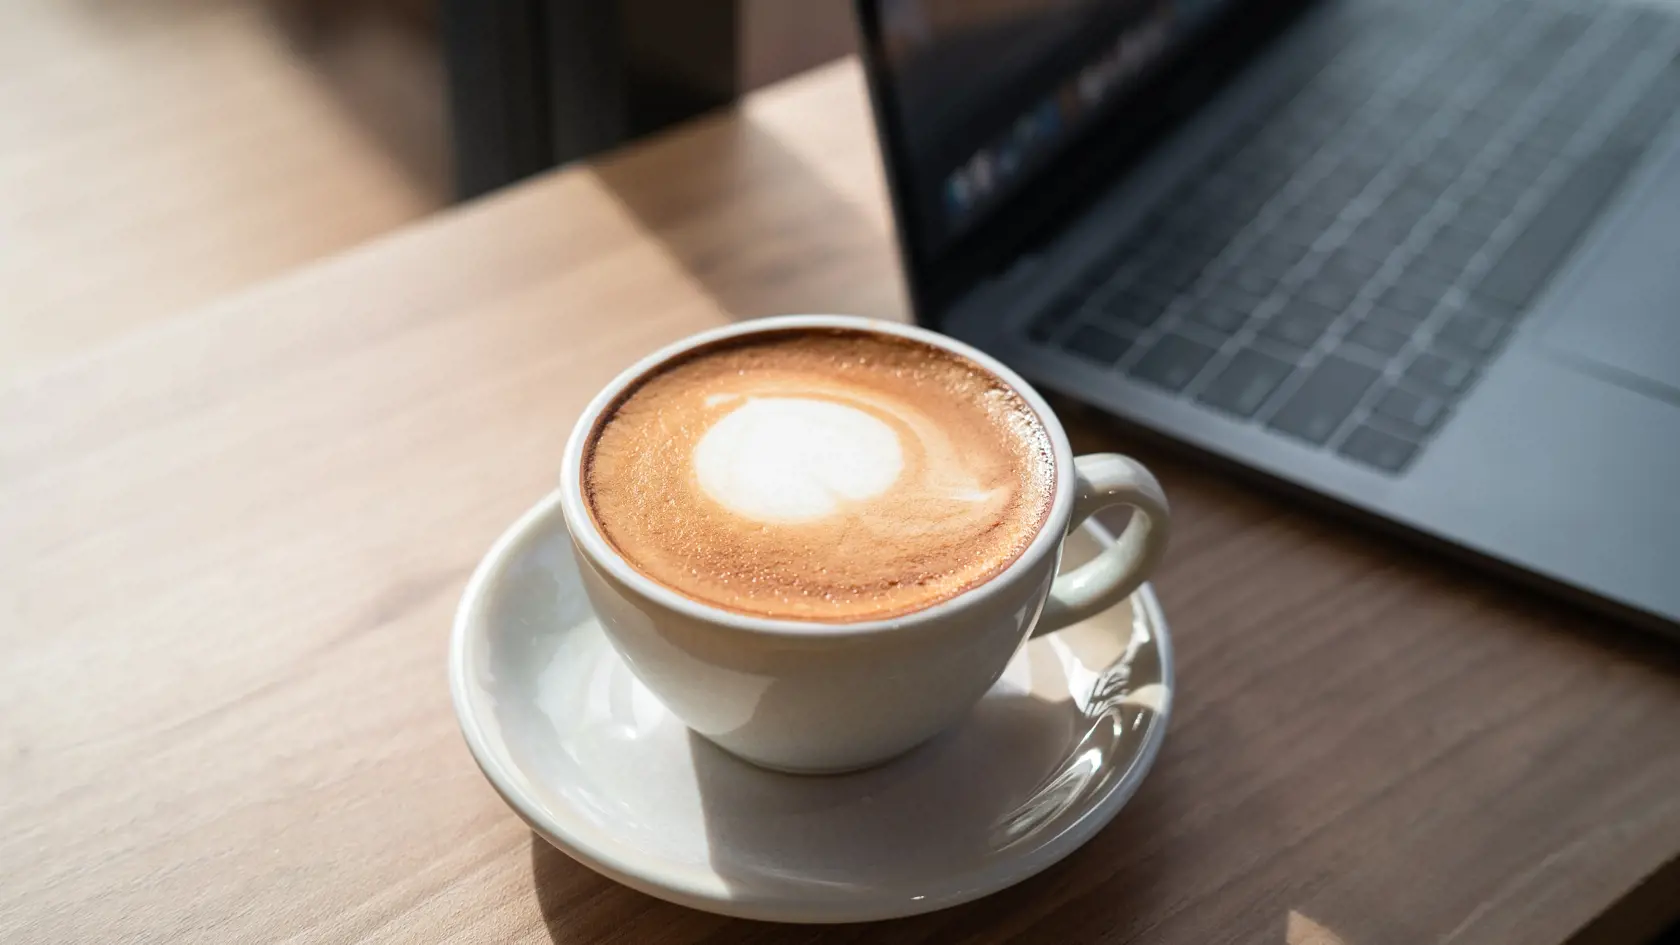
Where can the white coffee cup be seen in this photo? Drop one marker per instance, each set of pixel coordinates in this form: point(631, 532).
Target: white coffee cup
point(813, 697)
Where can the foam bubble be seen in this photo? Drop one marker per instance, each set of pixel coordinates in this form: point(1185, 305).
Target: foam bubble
point(784, 459)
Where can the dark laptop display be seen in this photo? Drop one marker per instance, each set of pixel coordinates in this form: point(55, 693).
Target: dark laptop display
point(1000, 117)
point(987, 95)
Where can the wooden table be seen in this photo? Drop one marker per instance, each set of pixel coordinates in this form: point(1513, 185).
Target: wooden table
point(158, 156)
point(231, 545)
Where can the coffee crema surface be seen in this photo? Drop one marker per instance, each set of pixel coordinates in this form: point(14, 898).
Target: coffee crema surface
point(828, 475)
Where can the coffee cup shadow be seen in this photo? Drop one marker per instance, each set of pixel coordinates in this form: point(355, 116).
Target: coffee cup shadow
point(1029, 752)
point(1011, 769)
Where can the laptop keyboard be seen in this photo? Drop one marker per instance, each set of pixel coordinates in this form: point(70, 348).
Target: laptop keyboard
point(1343, 269)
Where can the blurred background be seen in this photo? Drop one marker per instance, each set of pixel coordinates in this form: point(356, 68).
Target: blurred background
point(158, 154)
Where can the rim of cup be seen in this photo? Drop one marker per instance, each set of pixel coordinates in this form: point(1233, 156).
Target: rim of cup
point(602, 555)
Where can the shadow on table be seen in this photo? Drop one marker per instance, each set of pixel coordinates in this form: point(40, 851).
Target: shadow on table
point(756, 227)
point(579, 906)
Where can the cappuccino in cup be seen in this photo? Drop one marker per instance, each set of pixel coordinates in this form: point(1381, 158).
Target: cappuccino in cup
point(819, 539)
point(819, 474)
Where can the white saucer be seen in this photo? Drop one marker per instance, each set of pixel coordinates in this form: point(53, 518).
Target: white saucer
point(599, 768)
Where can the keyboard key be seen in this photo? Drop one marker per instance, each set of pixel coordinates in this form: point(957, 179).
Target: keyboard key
point(1328, 294)
point(1453, 245)
point(1432, 372)
point(1367, 246)
point(1089, 282)
point(1563, 31)
point(1379, 230)
point(1252, 280)
point(1422, 284)
point(1529, 262)
point(1216, 227)
point(1107, 266)
point(1365, 157)
point(1552, 134)
point(1269, 179)
point(1278, 143)
point(1274, 255)
point(1402, 308)
point(1298, 325)
point(1199, 245)
point(1177, 272)
point(1401, 211)
point(1312, 216)
point(1173, 362)
point(1296, 234)
point(1330, 394)
point(1527, 162)
point(1349, 267)
point(1492, 308)
point(1217, 188)
point(1247, 203)
point(1224, 313)
point(1428, 271)
point(1504, 188)
point(1406, 303)
point(1434, 175)
point(1148, 287)
point(1379, 338)
point(1481, 214)
point(1470, 333)
point(1443, 167)
point(1341, 186)
point(1407, 204)
point(1475, 135)
point(1581, 101)
point(1385, 451)
point(1143, 233)
point(1417, 413)
point(1454, 153)
point(1054, 316)
point(1501, 101)
point(1135, 311)
point(1246, 382)
point(1412, 112)
point(1392, 320)
point(1098, 344)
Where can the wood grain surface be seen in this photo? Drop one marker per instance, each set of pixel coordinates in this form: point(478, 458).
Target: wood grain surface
point(159, 154)
point(230, 545)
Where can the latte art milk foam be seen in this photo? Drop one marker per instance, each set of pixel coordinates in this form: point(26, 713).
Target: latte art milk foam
point(830, 475)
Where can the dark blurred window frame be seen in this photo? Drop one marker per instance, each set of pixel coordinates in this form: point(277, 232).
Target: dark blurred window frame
point(538, 83)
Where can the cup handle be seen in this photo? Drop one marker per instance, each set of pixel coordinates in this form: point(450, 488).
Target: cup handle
point(1103, 480)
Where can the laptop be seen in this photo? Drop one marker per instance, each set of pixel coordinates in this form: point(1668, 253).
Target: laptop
point(1420, 258)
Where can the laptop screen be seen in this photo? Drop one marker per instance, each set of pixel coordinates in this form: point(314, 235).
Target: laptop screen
point(989, 91)
point(985, 106)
